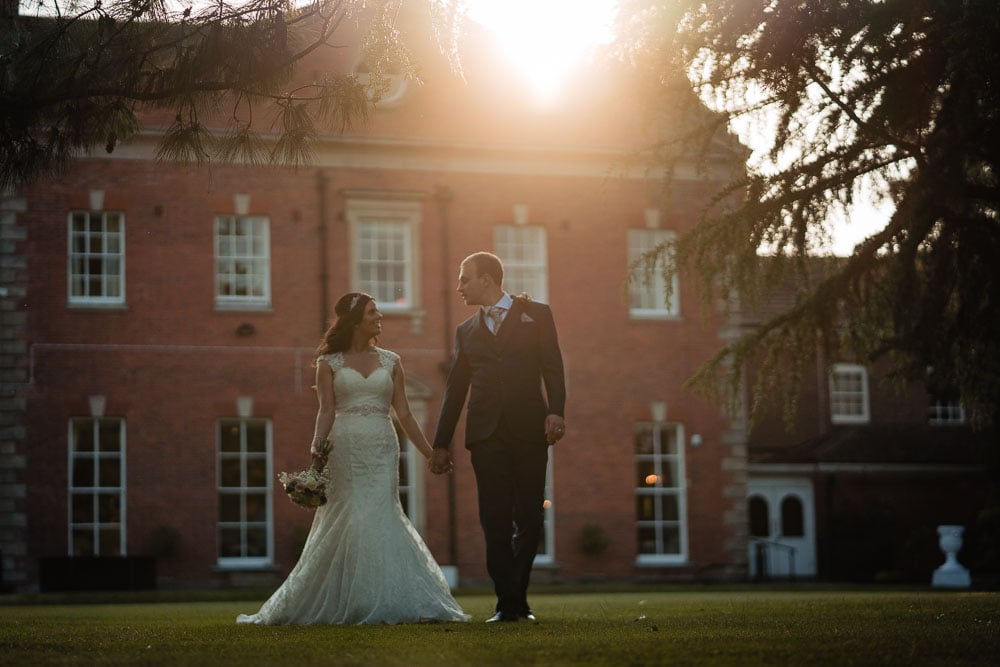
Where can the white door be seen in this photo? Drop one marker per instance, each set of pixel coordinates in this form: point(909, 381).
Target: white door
point(782, 528)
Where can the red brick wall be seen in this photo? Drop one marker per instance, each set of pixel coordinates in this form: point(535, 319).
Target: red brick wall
point(179, 365)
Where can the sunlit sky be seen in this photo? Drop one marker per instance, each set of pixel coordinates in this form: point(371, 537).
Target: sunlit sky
point(545, 39)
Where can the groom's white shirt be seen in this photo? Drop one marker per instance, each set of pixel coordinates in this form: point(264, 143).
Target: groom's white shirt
point(505, 302)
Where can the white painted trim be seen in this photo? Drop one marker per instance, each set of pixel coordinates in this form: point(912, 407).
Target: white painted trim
point(859, 468)
point(359, 152)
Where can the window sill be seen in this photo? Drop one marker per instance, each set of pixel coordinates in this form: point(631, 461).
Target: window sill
point(662, 561)
point(849, 421)
point(245, 567)
point(655, 317)
point(82, 305)
point(265, 308)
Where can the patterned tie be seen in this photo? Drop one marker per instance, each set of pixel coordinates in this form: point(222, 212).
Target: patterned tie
point(495, 316)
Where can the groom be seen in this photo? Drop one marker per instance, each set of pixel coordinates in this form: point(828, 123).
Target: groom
point(505, 353)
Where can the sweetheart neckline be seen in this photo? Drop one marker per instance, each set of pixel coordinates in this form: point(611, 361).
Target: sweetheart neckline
point(362, 375)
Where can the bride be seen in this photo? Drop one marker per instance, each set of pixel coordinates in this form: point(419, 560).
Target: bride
point(363, 561)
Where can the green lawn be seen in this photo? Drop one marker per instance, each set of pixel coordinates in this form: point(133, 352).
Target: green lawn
point(683, 627)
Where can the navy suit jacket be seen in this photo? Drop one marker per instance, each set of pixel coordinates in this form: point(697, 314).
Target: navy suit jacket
point(504, 375)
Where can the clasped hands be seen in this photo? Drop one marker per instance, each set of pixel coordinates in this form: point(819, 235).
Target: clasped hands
point(441, 462)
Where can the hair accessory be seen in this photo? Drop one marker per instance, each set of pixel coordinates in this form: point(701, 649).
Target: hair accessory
point(354, 301)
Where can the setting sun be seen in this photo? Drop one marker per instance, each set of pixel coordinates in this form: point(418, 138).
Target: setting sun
point(544, 39)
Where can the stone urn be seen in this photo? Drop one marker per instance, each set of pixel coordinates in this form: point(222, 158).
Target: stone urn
point(951, 574)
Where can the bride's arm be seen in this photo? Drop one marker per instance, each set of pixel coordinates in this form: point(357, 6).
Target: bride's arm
point(327, 404)
point(402, 407)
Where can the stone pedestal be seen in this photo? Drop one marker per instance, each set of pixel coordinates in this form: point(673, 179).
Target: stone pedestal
point(951, 574)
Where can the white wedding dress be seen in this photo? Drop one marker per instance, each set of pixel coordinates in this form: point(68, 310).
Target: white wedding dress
point(363, 561)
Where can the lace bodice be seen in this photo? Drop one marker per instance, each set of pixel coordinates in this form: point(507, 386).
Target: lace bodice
point(357, 394)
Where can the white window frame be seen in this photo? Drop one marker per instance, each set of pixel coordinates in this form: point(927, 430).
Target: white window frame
point(648, 290)
point(945, 413)
point(547, 546)
point(839, 395)
point(524, 252)
point(369, 216)
point(251, 262)
point(79, 488)
point(79, 261)
point(410, 457)
point(243, 456)
point(654, 489)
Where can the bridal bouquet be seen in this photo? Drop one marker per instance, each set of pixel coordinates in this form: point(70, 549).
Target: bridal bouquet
point(307, 488)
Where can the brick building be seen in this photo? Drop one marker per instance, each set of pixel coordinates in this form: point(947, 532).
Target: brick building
point(159, 324)
point(172, 311)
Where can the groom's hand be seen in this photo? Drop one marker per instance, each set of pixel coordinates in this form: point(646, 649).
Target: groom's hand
point(441, 462)
point(555, 428)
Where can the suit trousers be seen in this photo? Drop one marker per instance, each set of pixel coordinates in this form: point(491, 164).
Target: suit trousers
point(510, 477)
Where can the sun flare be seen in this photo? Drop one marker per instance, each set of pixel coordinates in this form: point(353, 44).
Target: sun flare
point(545, 39)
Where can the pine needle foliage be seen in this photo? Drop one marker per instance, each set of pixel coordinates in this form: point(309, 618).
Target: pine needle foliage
point(77, 76)
point(897, 97)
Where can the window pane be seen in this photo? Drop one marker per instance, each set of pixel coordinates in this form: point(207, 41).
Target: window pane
point(646, 473)
point(83, 435)
point(241, 258)
point(256, 472)
point(791, 517)
point(110, 435)
point(110, 541)
point(230, 472)
point(645, 507)
point(229, 508)
point(523, 251)
point(230, 543)
point(229, 436)
point(668, 441)
point(96, 252)
point(83, 508)
point(647, 540)
point(109, 508)
point(648, 289)
point(83, 472)
point(760, 522)
point(83, 542)
point(256, 504)
point(669, 510)
point(110, 472)
point(659, 485)
point(256, 542)
point(256, 438)
point(244, 488)
point(671, 540)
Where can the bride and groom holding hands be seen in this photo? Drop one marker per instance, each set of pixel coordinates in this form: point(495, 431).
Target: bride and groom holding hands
point(363, 561)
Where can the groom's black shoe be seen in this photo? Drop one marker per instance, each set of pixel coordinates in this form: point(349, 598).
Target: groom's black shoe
point(529, 616)
point(502, 617)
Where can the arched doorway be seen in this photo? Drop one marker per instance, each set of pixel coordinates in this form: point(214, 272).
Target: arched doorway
point(782, 540)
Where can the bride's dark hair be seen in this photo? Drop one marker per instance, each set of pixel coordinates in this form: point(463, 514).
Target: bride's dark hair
point(350, 309)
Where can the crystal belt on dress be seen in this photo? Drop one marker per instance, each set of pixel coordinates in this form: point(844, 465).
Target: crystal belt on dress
point(363, 410)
